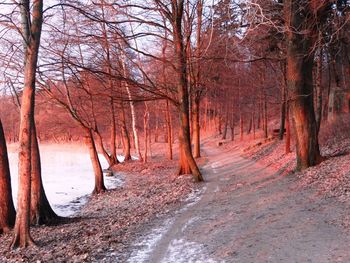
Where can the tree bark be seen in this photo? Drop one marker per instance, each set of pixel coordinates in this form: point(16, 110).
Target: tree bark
point(287, 146)
point(31, 33)
point(283, 113)
point(196, 128)
point(265, 117)
point(7, 209)
point(187, 162)
point(300, 84)
point(90, 143)
point(125, 135)
point(319, 90)
point(40, 209)
point(145, 131)
point(169, 131)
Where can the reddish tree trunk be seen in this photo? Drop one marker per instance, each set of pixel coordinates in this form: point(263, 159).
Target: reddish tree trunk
point(300, 84)
point(99, 183)
point(31, 33)
point(169, 131)
point(187, 162)
point(7, 209)
point(287, 148)
point(40, 209)
point(196, 128)
point(125, 135)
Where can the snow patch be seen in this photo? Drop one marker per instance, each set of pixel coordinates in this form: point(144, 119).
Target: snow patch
point(189, 222)
point(193, 198)
point(147, 245)
point(183, 251)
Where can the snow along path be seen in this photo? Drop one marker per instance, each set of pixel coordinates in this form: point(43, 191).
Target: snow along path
point(247, 213)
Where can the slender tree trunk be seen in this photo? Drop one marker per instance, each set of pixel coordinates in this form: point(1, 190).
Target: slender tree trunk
point(198, 79)
point(253, 120)
point(300, 84)
point(40, 209)
point(206, 115)
point(133, 121)
point(241, 126)
point(319, 90)
point(224, 134)
point(287, 148)
point(145, 130)
point(156, 132)
point(196, 128)
point(232, 132)
point(125, 135)
point(7, 209)
point(283, 113)
point(109, 157)
point(265, 117)
point(90, 143)
point(113, 139)
point(169, 130)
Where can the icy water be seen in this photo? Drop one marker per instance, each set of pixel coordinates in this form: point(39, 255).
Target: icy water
point(67, 176)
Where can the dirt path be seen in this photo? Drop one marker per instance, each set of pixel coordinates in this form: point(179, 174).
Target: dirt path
point(247, 213)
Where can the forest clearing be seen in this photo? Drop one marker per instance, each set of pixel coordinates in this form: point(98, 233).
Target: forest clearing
point(174, 131)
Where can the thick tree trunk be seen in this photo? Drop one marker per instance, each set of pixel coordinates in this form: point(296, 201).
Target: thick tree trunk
point(187, 162)
point(31, 33)
point(7, 209)
point(96, 165)
point(300, 84)
point(40, 209)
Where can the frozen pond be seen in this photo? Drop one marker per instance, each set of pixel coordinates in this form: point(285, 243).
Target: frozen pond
point(67, 176)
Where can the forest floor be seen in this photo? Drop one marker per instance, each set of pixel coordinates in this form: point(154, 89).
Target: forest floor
point(252, 208)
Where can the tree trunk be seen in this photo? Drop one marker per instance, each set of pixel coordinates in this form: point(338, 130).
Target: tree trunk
point(133, 121)
point(265, 117)
point(187, 162)
point(113, 139)
point(319, 90)
point(300, 84)
point(109, 157)
point(283, 113)
point(31, 33)
point(169, 131)
point(145, 131)
point(241, 126)
point(287, 148)
point(40, 209)
point(125, 135)
point(196, 128)
point(7, 209)
point(90, 143)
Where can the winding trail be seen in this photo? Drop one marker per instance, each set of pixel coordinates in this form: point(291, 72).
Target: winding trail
point(248, 213)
